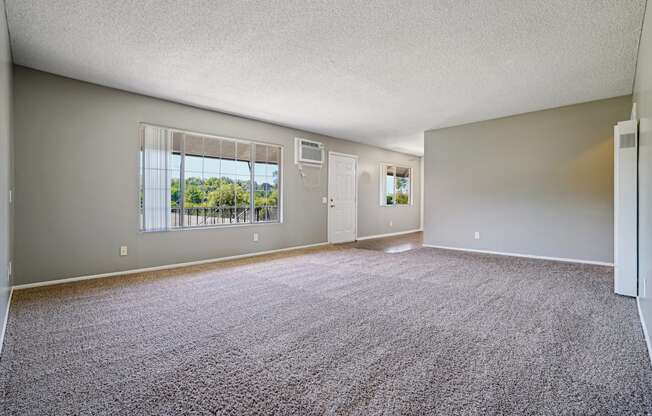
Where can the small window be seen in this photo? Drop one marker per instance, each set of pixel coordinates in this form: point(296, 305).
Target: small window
point(191, 180)
point(395, 185)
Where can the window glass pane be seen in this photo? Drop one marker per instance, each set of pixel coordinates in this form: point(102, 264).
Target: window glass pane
point(193, 166)
point(212, 195)
point(212, 147)
point(212, 165)
point(175, 179)
point(242, 197)
point(241, 184)
point(224, 199)
point(177, 142)
point(389, 185)
point(402, 186)
point(271, 168)
point(175, 197)
point(261, 153)
point(243, 162)
point(274, 154)
point(212, 154)
point(266, 199)
point(228, 164)
point(193, 194)
point(194, 146)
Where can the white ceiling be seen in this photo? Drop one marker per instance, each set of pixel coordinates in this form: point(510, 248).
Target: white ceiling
point(379, 72)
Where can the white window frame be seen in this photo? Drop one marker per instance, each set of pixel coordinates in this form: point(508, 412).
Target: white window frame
point(383, 183)
point(141, 185)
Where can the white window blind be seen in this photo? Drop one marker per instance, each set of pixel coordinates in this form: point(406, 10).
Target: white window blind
point(157, 152)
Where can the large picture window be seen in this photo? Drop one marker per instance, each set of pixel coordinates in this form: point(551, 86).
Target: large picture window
point(395, 185)
point(194, 180)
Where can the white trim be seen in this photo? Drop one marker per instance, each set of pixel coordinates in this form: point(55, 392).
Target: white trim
point(371, 237)
point(5, 320)
point(422, 202)
point(646, 334)
point(164, 267)
point(529, 256)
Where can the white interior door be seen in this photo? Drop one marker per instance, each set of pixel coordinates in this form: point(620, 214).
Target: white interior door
point(342, 197)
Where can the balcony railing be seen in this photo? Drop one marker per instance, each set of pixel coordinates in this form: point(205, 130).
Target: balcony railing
point(206, 216)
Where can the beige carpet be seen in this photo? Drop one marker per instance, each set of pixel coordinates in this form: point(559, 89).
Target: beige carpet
point(336, 331)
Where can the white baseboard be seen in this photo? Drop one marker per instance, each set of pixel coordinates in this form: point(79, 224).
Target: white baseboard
point(646, 334)
point(5, 320)
point(371, 237)
point(529, 256)
point(164, 267)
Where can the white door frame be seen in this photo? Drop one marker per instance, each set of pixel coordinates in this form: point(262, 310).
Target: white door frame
point(355, 158)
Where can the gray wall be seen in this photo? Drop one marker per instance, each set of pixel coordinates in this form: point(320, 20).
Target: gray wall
point(5, 163)
point(77, 186)
point(643, 99)
point(538, 184)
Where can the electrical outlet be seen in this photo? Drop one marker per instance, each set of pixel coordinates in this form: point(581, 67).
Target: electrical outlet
point(477, 235)
point(11, 196)
point(391, 223)
point(123, 250)
point(9, 269)
point(255, 236)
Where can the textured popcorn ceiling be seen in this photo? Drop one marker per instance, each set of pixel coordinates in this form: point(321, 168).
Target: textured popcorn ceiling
point(379, 72)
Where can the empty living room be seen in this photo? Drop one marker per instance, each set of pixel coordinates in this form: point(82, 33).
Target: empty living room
point(325, 207)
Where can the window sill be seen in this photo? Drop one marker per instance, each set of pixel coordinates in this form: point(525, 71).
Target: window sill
point(211, 227)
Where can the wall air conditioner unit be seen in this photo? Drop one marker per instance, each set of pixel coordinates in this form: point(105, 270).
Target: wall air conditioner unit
point(626, 208)
point(308, 152)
